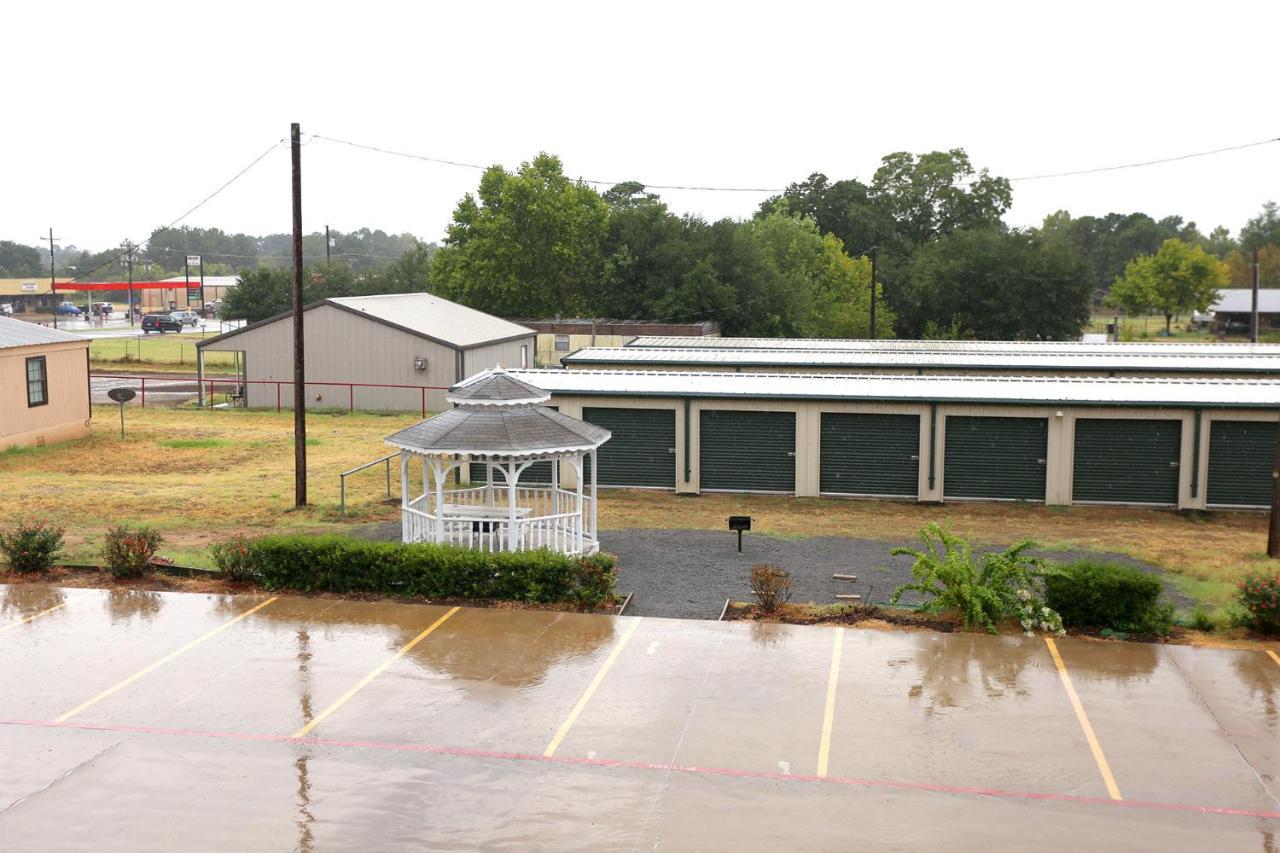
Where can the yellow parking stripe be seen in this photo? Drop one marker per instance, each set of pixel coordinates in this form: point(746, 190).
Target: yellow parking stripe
point(829, 713)
point(381, 668)
point(32, 617)
point(164, 660)
point(1275, 657)
point(1104, 768)
point(590, 691)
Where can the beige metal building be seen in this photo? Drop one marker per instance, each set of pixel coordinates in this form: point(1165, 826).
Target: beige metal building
point(396, 352)
point(1057, 440)
point(935, 358)
point(44, 385)
point(558, 338)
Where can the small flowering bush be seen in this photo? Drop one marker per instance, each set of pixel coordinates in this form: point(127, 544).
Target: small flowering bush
point(31, 546)
point(1260, 596)
point(128, 550)
point(771, 586)
point(235, 558)
point(1008, 584)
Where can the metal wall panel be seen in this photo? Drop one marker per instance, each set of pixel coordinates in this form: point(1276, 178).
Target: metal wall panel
point(867, 454)
point(1126, 461)
point(743, 450)
point(642, 451)
point(995, 458)
point(1241, 457)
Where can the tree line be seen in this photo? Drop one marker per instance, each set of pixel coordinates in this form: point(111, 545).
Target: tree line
point(533, 243)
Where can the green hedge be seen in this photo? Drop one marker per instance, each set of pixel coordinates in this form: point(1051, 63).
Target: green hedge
point(1108, 595)
point(339, 564)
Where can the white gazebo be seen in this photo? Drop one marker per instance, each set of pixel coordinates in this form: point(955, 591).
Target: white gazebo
point(499, 422)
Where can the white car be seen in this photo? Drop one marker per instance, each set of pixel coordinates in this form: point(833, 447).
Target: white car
point(186, 318)
point(6, 308)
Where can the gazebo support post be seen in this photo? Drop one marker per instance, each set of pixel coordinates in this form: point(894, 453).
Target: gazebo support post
point(511, 505)
point(577, 517)
point(555, 486)
point(594, 501)
point(405, 530)
point(488, 479)
point(435, 470)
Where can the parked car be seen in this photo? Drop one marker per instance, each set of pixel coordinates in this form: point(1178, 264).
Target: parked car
point(160, 323)
point(103, 309)
point(6, 308)
point(185, 318)
point(68, 309)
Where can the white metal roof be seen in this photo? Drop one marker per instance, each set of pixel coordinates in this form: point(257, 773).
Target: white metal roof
point(19, 333)
point(1082, 358)
point(438, 318)
point(1010, 390)
point(1240, 301)
point(902, 345)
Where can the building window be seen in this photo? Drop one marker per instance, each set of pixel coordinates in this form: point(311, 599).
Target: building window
point(562, 343)
point(37, 382)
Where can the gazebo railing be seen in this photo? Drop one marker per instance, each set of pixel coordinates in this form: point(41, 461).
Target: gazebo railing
point(472, 518)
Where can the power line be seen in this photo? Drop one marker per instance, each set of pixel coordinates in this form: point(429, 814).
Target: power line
point(210, 197)
point(460, 164)
point(1147, 162)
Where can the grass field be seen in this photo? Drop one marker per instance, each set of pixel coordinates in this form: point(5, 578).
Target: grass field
point(199, 476)
point(154, 352)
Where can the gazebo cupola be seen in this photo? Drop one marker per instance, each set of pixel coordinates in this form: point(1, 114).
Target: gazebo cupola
point(500, 422)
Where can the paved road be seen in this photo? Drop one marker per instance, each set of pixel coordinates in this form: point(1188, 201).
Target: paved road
point(166, 721)
point(160, 391)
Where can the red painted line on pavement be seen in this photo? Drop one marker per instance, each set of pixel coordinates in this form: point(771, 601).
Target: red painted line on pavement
point(728, 772)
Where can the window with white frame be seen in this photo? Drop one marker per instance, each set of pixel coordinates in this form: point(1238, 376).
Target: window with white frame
point(562, 343)
point(37, 381)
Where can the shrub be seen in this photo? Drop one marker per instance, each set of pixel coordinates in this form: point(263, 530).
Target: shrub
point(1000, 585)
point(128, 550)
point(771, 586)
point(1108, 595)
point(31, 546)
point(339, 564)
point(1260, 597)
point(233, 559)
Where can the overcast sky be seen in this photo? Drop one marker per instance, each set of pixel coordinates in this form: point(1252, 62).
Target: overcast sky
point(123, 115)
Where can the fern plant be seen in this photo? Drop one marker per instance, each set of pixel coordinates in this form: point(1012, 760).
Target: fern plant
point(984, 591)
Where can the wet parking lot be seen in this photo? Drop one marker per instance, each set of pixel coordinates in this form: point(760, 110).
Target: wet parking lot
point(146, 721)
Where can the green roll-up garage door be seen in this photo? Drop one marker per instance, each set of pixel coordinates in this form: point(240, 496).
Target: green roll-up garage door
point(747, 451)
point(870, 454)
point(642, 451)
point(1241, 456)
point(995, 458)
point(537, 474)
point(1120, 460)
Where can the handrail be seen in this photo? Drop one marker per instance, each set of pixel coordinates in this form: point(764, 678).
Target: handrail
point(342, 480)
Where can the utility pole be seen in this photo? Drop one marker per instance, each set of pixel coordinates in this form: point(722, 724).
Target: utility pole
point(1253, 318)
point(327, 244)
point(873, 294)
point(299, 371)
point(53, 281)
point(128, 254)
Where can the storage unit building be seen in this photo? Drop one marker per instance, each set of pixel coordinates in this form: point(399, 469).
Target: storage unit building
point(397, 352)
point(1063, 440)
point(557, 338)
point(947, 358)
point(44, 385)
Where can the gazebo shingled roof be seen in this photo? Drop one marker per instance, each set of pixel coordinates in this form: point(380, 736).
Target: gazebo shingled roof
point(498, 415)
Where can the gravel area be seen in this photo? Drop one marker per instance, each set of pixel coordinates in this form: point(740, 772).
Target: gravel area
point(687, 574)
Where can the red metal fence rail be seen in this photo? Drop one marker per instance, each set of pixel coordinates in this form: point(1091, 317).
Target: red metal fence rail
point(237, 384)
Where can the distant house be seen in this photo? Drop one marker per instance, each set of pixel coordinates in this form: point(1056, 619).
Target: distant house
point(1233, 310)
point(44, 385)
point(558, 338)
point(394, 352)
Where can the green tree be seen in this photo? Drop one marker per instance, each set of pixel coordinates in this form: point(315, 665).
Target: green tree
point(1263, 229)
point(932, 195)
point(996, 285)
point(1179, 278)
point(17, 260)
point(267, 291)
point(528, 244)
